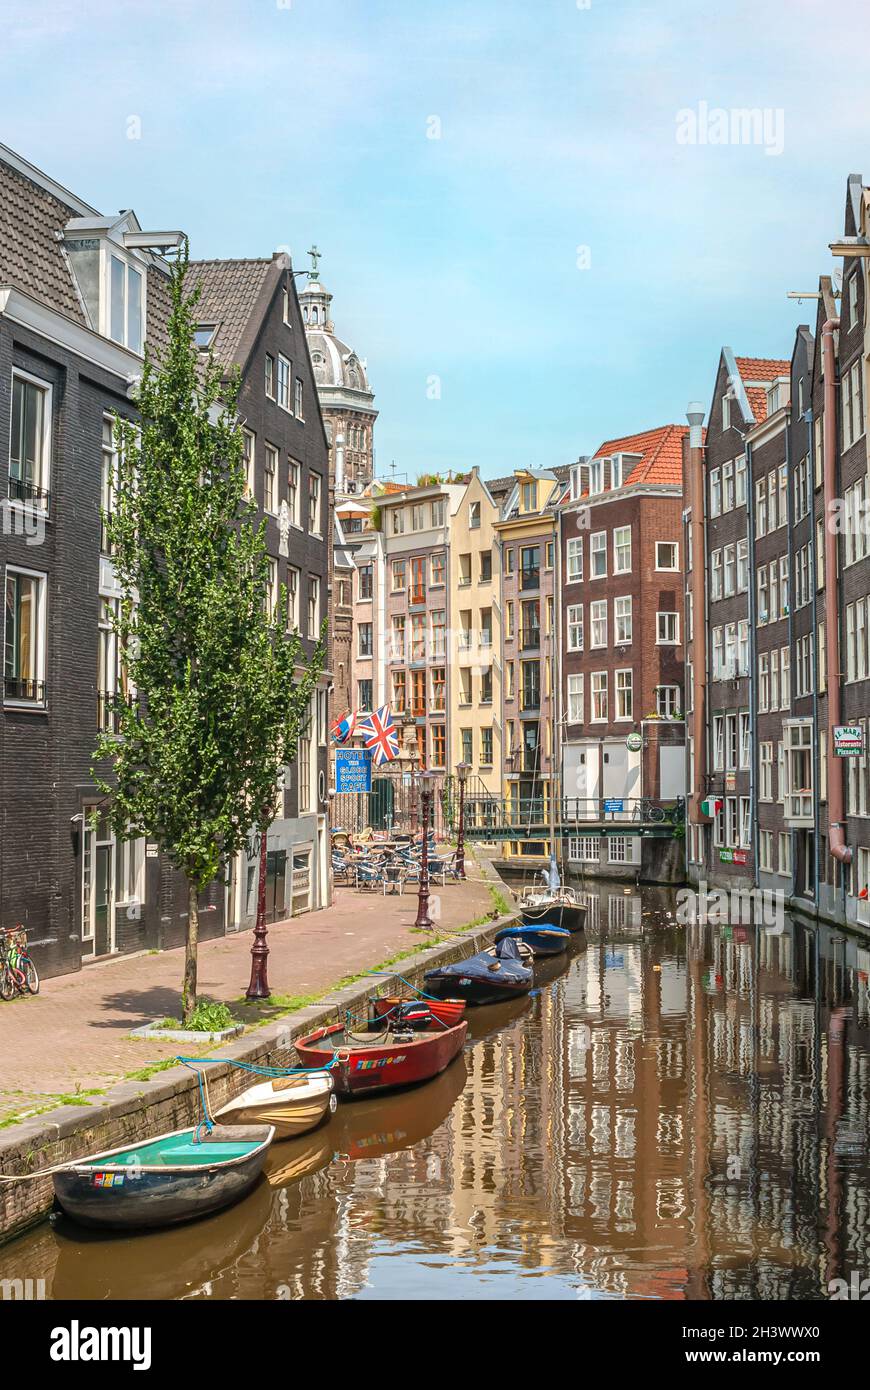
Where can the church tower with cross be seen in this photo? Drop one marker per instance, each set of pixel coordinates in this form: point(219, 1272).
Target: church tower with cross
point(346, 399)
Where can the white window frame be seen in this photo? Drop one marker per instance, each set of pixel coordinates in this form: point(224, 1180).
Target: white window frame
point(598, 619)
point(573, 560)
point(574, 626)
point(668, 641)
point(282, 382)
point(622, 637)
point(675, 549)
point(40, 636)
point(45, 461)
point(621, 548)
point(622, 690)
point(110, 250)
point(597, 550)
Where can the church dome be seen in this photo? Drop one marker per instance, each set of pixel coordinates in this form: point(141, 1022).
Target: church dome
point(336, 366)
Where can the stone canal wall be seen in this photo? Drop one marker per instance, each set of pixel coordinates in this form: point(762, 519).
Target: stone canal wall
point(136, 1110)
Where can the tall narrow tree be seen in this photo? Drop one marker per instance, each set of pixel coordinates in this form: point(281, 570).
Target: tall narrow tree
point(220, 689)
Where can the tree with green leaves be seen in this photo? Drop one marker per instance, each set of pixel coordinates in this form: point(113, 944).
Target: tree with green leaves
point(218, 689)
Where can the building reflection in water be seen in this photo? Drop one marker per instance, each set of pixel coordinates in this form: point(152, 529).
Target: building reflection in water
point(680, 1112)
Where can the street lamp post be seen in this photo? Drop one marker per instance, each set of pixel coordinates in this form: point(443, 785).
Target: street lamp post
point(424, 921)
point(258, 987)
point(462, 770)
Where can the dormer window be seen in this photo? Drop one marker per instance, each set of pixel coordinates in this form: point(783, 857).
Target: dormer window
point(125, 303)
point(529, 497)
point(596, 476)
point(616, 472)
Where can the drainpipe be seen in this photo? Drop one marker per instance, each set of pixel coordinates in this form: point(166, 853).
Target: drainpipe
point(339, 463)
point(815, 581)
point(839, 849)
point(695, 417)
point(789, 539)
point(753, 662)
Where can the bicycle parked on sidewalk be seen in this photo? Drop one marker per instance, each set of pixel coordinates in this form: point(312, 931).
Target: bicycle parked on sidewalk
point(18, 974)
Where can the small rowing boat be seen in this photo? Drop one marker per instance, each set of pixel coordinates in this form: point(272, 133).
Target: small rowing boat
point(498, 973)
point(543, 939)
point(292, 1104)
point(163, 1181)
point(378, 1061)
point(417, 1013)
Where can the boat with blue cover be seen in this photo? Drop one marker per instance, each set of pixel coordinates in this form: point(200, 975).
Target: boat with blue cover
point(500, 972)
point(175, 1177)
point(543, 938)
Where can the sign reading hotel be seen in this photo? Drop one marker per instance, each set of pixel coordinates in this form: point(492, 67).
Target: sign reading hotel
point(848, 740)
point(353, 770)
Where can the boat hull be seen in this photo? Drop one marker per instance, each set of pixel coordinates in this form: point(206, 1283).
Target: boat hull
point(571, 916)
point(490, 977)
point(363, 1068)
point(122, 1196)
point(290, 1112)
point(542, 938)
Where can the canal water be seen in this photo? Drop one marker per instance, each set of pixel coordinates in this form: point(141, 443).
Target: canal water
point(678, 1112)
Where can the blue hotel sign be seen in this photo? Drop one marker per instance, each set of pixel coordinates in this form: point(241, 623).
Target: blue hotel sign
point(353, 771)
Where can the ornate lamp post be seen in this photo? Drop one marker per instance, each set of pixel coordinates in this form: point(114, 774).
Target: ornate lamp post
point(424, 921)
point(462, 771)
point(259, 983)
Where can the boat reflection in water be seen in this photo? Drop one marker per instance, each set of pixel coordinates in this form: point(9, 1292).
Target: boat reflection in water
point(676, 1112)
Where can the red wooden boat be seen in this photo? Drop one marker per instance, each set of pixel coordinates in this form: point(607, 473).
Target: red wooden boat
point(380, 1061)
point(417, 1013)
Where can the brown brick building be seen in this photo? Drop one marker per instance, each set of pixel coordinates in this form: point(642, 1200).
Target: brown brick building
point(620, 640)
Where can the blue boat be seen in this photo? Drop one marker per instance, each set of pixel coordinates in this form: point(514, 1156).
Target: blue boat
point(542, 938)
point(491, 976)
point(163, 1181)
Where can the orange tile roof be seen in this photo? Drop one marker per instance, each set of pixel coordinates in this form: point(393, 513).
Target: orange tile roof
point(760, 369)
point(662, 451)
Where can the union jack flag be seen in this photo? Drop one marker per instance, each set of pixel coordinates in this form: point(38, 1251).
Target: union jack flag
point(379, 734)
point(343, 728)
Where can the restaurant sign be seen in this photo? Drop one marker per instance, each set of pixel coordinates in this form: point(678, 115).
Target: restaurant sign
point(848, 740)
point(733, 856)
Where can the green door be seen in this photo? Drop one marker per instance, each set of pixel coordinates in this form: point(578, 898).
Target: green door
point(381, 804)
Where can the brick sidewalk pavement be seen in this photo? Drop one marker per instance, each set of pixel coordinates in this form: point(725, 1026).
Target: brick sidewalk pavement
point(75, 1034)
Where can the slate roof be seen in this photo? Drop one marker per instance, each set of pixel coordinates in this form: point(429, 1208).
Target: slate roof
point(231, 290)
point(662, 451)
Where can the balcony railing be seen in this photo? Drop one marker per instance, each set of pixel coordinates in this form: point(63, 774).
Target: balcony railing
point(108, 718)
point(23, 688)
point(20, 490)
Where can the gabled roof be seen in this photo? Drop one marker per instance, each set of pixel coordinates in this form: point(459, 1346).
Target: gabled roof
point(662, 451)
point(231, 294)
point(760, 369)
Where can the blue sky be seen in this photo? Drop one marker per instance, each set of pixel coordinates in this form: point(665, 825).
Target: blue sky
point(268, 123)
